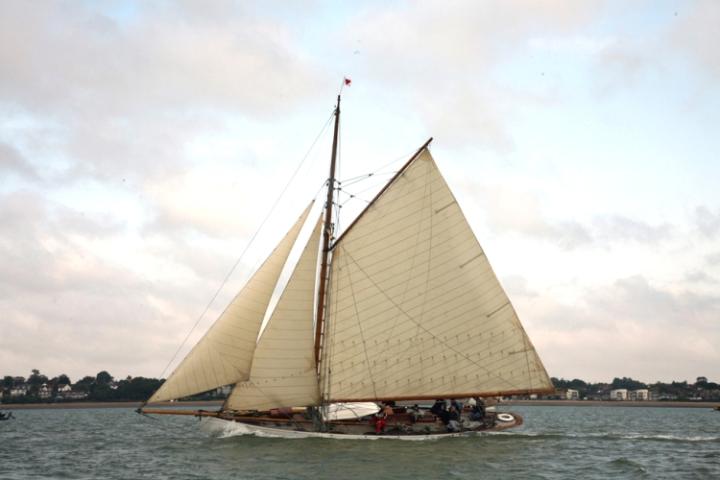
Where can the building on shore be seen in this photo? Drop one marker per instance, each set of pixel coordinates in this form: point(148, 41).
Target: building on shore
point(45, 391)
point(642, 394)
point(572, 394)
point(19, 390)
point(619, 394)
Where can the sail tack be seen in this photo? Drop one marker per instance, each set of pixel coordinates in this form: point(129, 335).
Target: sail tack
point(415, 308)
point(224, 355)
point(283, 372)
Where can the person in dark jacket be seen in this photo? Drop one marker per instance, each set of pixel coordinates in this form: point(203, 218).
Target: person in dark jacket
point(438, 407)
point(453, 420)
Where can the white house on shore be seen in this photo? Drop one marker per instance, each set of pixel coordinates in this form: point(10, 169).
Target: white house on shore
point(45, 391)
point(642, 394)
point(18, 390)
point(619, 394)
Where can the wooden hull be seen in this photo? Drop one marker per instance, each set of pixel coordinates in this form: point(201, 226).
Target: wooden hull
point(361, 429)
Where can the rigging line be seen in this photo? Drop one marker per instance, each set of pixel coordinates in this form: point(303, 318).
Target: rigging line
point(356, 196)
point(336, 206)
point(526, 341)
point(353, 197)
point(328, 349)
point(410, 271)
point(370, 187)
point(361, 178)
point(427, 270)
point(362, 335)
point(409, 317)
point(247, 247)
point(378, 170)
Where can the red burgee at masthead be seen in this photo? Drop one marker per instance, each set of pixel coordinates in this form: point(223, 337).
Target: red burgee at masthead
point(348, 81)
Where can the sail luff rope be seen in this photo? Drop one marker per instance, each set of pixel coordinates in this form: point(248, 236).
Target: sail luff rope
point(247, 247)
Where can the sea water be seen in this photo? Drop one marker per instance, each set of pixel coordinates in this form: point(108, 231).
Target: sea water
point(555, 442)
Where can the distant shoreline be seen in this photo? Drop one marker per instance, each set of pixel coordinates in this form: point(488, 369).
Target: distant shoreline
point(75, 405)
point(611, 403)
point(218, 403)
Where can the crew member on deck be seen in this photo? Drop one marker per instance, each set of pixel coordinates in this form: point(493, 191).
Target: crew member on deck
point(379, 422)
point(438, 407)
point(453, 422)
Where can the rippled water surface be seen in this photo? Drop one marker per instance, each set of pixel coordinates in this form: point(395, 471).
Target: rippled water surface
point(555, 442)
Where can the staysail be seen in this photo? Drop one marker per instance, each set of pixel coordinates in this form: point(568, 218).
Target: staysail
point(415, 310)
point(223, 356)
point(283, 372)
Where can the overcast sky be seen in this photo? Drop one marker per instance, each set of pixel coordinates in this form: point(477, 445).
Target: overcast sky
point(143, 143)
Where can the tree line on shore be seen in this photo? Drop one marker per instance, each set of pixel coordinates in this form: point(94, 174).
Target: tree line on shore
point(100, 388)
point(104, 388)
point(702, 389)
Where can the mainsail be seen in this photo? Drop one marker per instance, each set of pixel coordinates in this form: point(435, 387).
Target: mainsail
point(224, 355)
point(283, 372)
point(415, 310)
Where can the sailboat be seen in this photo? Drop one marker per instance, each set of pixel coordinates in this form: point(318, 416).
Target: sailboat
point(402, 307)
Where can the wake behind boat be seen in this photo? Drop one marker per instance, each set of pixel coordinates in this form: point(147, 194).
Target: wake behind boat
point(401, 306)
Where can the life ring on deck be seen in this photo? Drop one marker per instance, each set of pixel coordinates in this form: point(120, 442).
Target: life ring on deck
point(505, 417)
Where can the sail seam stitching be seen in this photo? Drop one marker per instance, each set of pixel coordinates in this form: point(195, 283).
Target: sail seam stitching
point(409, 317)
point(473, 258)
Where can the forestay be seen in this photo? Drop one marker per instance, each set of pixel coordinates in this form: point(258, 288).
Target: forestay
point(224, 355)
point(415, 310)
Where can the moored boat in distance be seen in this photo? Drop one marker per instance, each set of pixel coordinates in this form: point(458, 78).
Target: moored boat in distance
point(401, 306)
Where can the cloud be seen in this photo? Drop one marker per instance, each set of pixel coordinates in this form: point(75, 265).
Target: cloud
point(114, 233)
point(628, 326)
point(520, 211)
point(102, 108)
point(71, 298)
point(686, 36)
point(694, 34)
point(40, 248)
point(206, 201)
point(12, 161)
point(122, 98)
point(619, 228)
point(442, 59)
point(698, 276)
point(713, 258)
point(61, 56)
point(707, 222)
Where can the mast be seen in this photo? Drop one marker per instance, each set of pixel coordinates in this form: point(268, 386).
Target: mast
point(327, 231)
